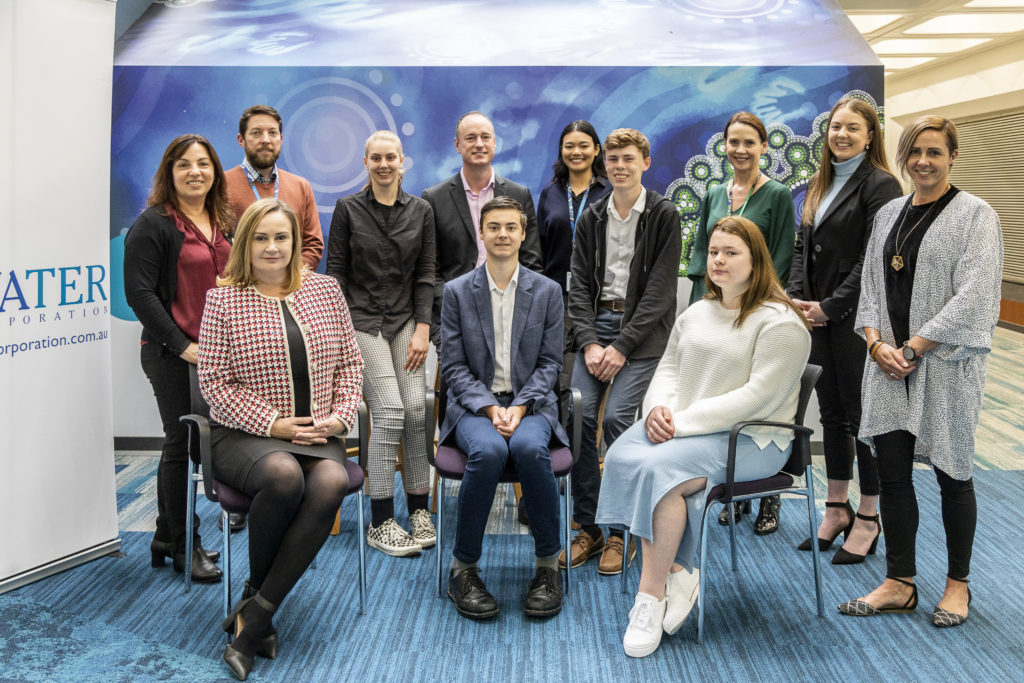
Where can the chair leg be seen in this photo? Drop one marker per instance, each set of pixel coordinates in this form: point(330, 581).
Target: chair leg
point(226, 523)
point(567, 517)
point(702, 576)
point(361, 542)
point(190, 510)
point(732, 533)
point(623, 580)
point(440, 533)
point(815, 555)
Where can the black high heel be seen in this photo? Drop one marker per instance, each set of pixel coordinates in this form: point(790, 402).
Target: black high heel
point(943, 618)
point(266, 647)
point(826, 543)
point(844, 556)
point(161, 550)
point(239, 662)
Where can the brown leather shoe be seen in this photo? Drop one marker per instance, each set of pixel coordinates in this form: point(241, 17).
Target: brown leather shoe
point(611, 558)
point(583, 547)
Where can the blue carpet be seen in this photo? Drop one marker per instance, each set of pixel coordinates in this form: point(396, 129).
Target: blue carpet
point(120, 620)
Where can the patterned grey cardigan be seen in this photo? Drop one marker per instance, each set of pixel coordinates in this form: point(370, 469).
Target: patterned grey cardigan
point(955, 303)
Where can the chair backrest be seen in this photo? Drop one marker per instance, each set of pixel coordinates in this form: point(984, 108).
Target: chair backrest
point(800, 456)
point(198, 403)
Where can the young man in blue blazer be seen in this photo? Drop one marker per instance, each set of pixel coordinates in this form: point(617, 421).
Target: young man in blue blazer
point(501, 353)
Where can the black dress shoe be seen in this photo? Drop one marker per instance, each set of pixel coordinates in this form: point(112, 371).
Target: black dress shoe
point(466, 589)
point(738, 510)
point(236, 519)
point(544, 599)
point(160, 550)
point(203, 570)
point(767, 521)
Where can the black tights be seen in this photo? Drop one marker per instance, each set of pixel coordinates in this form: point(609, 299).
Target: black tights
point(898, 506)
point(294, 501)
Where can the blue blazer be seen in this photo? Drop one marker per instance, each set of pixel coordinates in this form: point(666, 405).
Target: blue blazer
point(467, 347)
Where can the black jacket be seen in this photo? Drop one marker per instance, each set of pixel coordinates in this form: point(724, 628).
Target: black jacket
point(653, 273)
point(151, 251)
point(832, 276)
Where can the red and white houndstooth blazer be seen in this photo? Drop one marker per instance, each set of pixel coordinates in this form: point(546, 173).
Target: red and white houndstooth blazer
point(244, 369)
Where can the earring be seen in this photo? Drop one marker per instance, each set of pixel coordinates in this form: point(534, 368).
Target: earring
point(867, 147)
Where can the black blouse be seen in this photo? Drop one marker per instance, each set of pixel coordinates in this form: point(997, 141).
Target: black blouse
point(899, 284)
point(297, 358)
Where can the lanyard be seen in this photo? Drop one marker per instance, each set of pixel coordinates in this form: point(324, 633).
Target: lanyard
point(252, 186)
point(583, 203)
point(733, 182)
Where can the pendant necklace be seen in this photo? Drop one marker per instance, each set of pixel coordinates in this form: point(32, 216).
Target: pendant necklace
point(750, 192)
point(897, 260)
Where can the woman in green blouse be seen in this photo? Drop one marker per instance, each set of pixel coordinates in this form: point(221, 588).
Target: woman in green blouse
point(769, 204)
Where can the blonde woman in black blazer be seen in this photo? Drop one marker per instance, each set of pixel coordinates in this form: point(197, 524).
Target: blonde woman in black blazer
point(852, 183)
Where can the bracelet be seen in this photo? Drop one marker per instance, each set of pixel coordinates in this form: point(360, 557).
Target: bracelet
point(874, 348)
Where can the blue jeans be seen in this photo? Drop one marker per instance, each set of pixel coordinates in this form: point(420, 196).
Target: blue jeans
point(624, 398)
point(487, 454)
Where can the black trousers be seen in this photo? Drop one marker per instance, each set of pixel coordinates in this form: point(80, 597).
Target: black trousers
point(898, 505)
point(168, 374)
point(840, 352)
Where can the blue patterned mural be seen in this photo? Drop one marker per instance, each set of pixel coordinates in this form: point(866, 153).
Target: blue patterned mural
point(231, 60)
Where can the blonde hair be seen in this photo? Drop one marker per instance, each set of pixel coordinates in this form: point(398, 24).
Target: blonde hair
point(238, 271)
point(383, 136)
point(822, 180)
point(927, 122)
point(764, 282)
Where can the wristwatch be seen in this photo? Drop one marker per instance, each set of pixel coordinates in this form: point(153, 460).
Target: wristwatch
point(909, 353)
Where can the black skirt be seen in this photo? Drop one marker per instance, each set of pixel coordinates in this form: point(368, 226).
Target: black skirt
point(235, 452)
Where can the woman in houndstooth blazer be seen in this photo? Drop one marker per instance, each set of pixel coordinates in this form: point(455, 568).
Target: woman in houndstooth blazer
point(279, 367)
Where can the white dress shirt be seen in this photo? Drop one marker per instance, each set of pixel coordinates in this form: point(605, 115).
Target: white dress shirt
point(503, 303)
point(620, 236)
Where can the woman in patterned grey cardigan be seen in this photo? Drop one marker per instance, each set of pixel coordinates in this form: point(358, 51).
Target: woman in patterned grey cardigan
point(929, 304)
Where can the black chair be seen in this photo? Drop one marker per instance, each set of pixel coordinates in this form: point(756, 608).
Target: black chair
point(798, 465)
point(232, 500)
point(450, 463)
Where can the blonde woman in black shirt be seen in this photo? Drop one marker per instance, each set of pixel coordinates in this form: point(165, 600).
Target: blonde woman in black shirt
point(381, 250)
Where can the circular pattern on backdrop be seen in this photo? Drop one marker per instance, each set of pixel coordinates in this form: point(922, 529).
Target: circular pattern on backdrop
point(736, 9)
point(327, 131)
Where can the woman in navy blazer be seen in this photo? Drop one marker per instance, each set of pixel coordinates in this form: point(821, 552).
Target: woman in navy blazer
point(852, 183)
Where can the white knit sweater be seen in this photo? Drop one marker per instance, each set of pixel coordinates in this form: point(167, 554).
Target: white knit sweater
point(714, 375)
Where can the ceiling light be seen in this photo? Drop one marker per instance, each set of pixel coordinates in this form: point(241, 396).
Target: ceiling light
point(995, 3)
point(893, 63)
point(971, 23)
point(917, 46)
point(869, 23)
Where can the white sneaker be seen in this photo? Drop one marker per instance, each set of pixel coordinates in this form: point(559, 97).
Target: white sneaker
point(643, 635)
point(681, 591)
point(392, 539)
point(422, 529)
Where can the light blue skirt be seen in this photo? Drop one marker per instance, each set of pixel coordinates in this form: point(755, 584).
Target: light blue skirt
point(638, 474)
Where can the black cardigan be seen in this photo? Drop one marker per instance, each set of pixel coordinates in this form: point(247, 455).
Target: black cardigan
point(653, 272)
point(151, 251)
point(833, 278)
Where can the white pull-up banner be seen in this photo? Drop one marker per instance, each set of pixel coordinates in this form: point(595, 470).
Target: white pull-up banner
point(57, 493)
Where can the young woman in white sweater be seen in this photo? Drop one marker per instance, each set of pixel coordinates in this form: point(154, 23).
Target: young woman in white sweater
point(735, 356)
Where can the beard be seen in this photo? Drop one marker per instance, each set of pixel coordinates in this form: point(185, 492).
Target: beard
point(262, 158)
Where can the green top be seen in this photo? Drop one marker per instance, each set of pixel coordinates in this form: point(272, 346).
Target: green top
point(770, 208)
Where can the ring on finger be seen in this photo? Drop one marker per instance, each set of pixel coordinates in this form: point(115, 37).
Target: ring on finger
point(892, 375)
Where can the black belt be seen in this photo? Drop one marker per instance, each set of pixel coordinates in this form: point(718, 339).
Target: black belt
point(504, 394)
point(613, 305)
